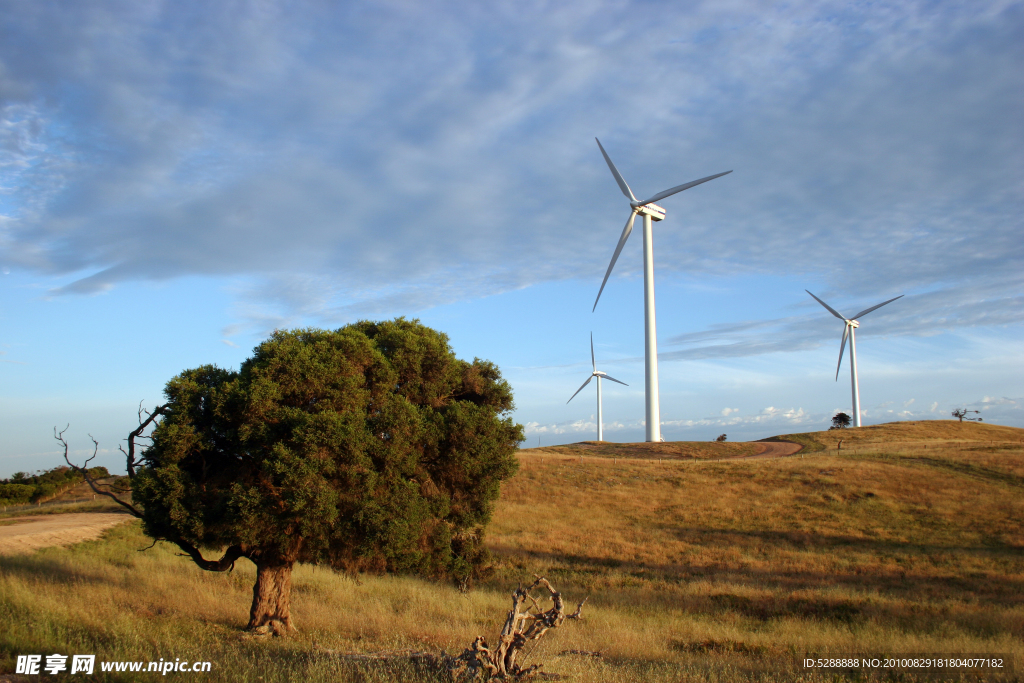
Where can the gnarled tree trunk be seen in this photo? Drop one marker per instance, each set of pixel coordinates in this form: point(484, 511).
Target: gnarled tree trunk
point(521, 627)
point(271, 597)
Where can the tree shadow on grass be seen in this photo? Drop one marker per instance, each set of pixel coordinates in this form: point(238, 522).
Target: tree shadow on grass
point(912, 603)
point(44, 567)
point(802, 540)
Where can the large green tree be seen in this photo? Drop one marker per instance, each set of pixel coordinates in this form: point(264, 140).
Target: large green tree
point(367, 448)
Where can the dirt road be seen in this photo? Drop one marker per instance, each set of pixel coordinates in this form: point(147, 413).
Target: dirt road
point(31, 533)
point(773, 449)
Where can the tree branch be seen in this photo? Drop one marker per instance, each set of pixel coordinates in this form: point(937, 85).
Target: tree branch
point(59, 436)
point(137, 433)
point(225, 563)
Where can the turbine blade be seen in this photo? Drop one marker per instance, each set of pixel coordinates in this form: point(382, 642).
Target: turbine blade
point(680, 188)
point(580, 389)
point(618, 176)
point(868, 310)
point(842, 347)
point(593, 363)
point(832, 310)
point(615, 380)
point(618, 249)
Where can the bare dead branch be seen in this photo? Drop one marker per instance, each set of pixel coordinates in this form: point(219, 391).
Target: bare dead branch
point(225, 563)
point(83, 470)
point(136, 433)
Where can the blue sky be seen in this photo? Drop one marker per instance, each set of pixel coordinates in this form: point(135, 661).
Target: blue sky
point(179, 179)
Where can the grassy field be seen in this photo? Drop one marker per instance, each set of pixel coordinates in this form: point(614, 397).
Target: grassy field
point(908, 540)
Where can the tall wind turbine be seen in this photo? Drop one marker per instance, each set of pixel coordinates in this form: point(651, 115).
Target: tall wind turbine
point(650, 212)
point(598, 374)
point(848, 330)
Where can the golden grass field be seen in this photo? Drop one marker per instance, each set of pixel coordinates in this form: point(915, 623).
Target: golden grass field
point(909, 540)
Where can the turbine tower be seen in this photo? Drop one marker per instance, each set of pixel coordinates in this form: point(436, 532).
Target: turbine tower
point(651, 212)
point(851, 325)
point(598, 374)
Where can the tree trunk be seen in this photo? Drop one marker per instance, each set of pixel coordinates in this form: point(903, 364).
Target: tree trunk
point(271, 598)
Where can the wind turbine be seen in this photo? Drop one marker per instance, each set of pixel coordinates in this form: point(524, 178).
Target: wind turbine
point(851, 325)
point(598, 374)
point(650, 212)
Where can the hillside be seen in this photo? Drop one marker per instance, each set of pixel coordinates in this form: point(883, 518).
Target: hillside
point(914, 434)
point(909, 539)
point(699, 569)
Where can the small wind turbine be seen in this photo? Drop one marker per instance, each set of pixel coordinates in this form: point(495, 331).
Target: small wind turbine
point(851, 325)
point(598, 374)
point(650, 212)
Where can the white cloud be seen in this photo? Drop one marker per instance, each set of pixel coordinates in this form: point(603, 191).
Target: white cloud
point(393, 155)
point(942, 309)
point(769, 415)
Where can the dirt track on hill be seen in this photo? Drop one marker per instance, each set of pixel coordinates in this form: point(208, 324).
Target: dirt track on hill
point(773, 449)
point(31, 533)
point(686, 451)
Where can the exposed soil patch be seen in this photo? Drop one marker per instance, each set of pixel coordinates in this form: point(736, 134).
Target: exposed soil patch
point(774, 449)
point(31, 533)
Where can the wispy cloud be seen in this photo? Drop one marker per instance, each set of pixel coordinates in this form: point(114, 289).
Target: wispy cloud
point(767, 416)
point(372, 159)
point(950, 308)
point(14, 362)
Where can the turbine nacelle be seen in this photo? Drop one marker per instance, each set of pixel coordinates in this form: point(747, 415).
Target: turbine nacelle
point(653, 210)
point(853, 323)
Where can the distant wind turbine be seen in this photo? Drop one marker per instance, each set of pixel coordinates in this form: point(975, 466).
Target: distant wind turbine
point(851, 325)
point(598, 374)
point(650, 212)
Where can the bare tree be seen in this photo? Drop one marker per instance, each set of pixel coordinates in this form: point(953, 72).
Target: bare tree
point(961, 414)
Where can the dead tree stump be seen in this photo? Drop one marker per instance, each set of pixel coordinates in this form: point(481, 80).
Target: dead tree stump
point(521, 627)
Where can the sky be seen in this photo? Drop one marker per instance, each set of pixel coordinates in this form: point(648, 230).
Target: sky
point(179, 179)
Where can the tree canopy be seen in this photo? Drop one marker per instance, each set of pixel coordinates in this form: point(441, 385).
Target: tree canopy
point(371, 447)
point(840, 421)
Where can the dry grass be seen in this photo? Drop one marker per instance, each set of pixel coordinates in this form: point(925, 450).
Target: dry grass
point(908, 541)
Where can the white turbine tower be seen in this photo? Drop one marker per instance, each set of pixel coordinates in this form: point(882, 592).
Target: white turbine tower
point(650, 212)
point(848, 330)
point(598, 374)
